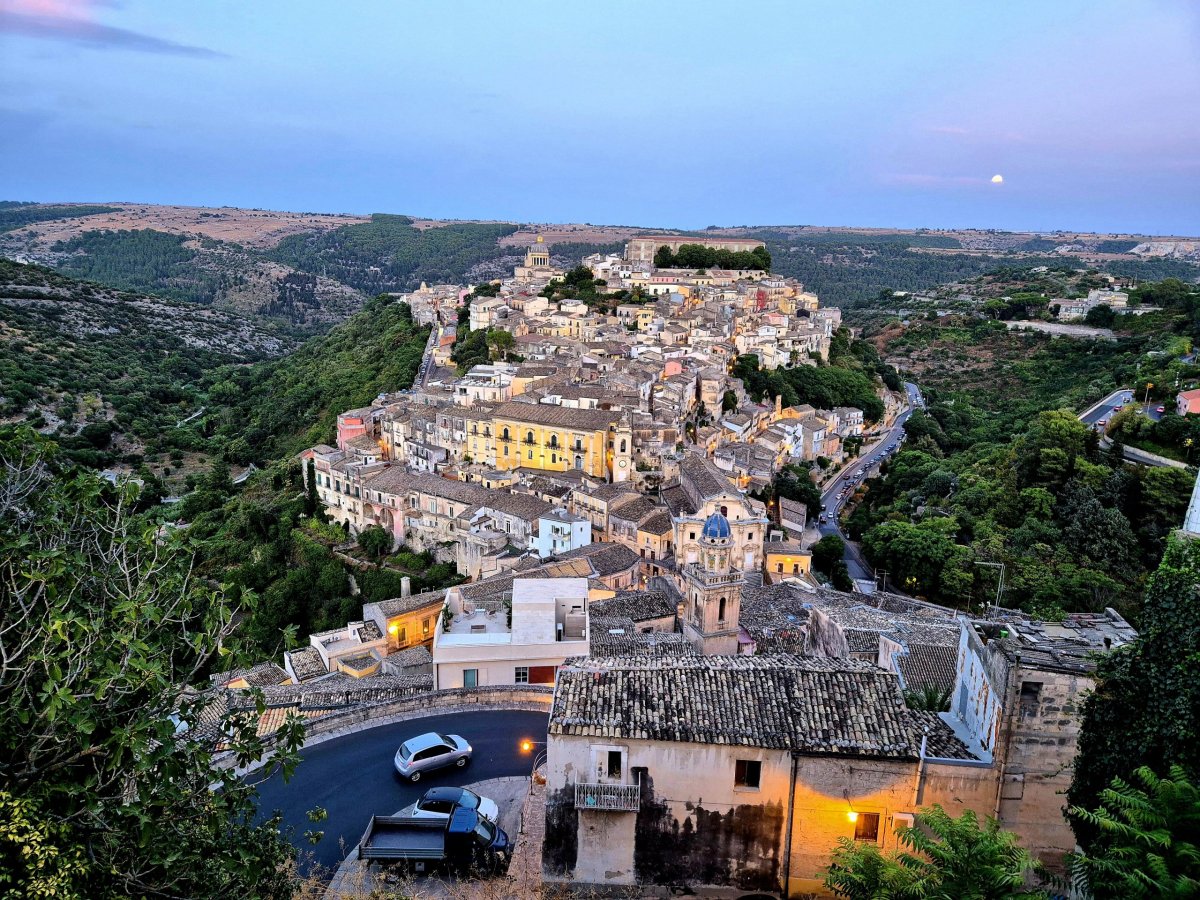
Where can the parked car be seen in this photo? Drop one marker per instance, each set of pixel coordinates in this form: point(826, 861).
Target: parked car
point(429, 752)
point(440, 802)
point(1162, 409)
point(1102, 423)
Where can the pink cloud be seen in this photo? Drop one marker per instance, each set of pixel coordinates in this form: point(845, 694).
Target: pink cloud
point(74, 21)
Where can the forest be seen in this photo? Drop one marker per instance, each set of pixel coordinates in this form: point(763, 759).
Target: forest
point(698, 256)
point(999, 469)
point(389, 254)
point(115, 368)
point(143, 260)
point(15, 214)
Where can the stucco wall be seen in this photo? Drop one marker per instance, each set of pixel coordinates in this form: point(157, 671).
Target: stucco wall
point(694, 825)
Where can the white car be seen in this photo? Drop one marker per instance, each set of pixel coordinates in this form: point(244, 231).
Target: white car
point(440, 802)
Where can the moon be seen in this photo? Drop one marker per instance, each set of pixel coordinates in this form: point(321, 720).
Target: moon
point(997, 179)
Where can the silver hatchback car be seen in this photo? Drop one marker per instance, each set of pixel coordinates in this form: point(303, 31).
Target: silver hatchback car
point(430, 751)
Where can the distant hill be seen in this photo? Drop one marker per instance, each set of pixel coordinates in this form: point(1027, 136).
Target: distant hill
point(106, 371)
point(312, 270)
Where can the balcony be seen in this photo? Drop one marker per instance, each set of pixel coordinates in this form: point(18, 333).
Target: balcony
point(612, 797)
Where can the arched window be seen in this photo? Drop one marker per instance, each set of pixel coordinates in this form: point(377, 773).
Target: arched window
point(554, 440)
point(622, 445)
point(579, 462)
point(725, 511)
point(721, 610)
point(529, 437)
point(505, 435)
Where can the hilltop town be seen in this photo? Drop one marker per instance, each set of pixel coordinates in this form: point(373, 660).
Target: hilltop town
point(594, 485)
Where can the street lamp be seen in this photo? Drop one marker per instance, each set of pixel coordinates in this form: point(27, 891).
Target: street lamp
point(539, 760)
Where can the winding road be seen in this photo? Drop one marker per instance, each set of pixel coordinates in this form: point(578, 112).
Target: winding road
point(352, 776)
point(833, 500)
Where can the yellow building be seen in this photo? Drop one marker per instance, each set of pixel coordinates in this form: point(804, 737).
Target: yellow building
point(785, 559)
point(550, 438)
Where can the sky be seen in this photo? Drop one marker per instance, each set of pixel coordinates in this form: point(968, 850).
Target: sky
point(671, 113)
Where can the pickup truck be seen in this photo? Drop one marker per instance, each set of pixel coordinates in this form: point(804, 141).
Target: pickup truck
point(463, 840)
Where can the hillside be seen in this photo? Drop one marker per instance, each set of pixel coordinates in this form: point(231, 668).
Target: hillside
point(999, 469)
point(312, 270)
point(106, 371)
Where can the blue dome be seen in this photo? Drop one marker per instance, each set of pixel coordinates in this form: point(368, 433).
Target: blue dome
point(716, 527)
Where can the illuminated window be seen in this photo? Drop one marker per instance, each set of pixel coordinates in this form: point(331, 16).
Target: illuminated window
point(866, 827)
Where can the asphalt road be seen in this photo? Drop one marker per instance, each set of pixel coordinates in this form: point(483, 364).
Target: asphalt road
point(1106, 408)
point(833, 500)
point(352, 776)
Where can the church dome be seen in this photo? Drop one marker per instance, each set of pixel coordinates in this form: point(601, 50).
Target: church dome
point(716, 528)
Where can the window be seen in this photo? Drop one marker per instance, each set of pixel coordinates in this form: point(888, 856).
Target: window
point(614, 763)
point(531, 454)
point(553, 458)
point(554, 440)
point(470, 678)
point(529, 437)
point(747, 773)
point(725, 511)
point(578, 461)
point(504, 435)
point(691, 535)
point(1031, 694)
point(779, 567)
point(795, 568)
point(866, 827)
point(622, 445)
point(721, 610)
point(425, 625)
point(521, 675)
point(750, 537)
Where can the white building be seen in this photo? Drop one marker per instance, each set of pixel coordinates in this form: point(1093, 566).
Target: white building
point(560, 532)
point(475, 644)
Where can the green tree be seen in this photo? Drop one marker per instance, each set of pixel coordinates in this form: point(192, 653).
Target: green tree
point(729, 401)
point(826, 552)
point(1152, 839)
point(1100, 316)
point(946, 859)
point(106, 757)
point(375, 541)
point(1145, 709)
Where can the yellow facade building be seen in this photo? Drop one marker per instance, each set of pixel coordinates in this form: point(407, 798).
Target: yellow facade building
point(550, 438)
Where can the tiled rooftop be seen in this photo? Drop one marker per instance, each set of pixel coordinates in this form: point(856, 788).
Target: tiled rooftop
point(787, 702)
point(306, 663)
point(928, 664)
point(640, 606)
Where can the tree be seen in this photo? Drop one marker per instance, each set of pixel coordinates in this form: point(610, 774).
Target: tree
point(729, 401)
point(1101, 316)
point(1152, 838)
point(928, 697)
point(826, 552)
point(312, 500)
point(375, 541)
point(1145, 709)
point(946, 859)
point(106, 756)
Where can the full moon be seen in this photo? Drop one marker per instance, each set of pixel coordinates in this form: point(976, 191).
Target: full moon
point(997, 179)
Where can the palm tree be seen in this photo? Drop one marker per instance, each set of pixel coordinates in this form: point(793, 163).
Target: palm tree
point(928, 697)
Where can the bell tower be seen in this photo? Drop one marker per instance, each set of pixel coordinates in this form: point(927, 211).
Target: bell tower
point(713, 592)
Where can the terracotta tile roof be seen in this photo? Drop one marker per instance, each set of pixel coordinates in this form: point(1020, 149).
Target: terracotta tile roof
point(397, 606)
point(657, 523)
point(640, 606)
point(619, 636)
point(928, 664)
point(257, 676)
point(941, 741)
point(633, 509)
point(369, 631)
point(812, 705)
point(306, 663)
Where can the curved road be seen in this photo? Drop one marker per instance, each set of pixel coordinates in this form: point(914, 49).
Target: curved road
point(352, 776)
point(832, 499)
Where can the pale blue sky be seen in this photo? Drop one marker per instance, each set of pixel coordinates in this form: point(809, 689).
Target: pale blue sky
point(678, 114)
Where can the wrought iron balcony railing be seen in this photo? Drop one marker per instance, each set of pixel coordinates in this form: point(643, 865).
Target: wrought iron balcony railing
point(618, 797)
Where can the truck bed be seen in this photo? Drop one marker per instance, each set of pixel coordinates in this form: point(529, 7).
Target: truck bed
point(399, 837)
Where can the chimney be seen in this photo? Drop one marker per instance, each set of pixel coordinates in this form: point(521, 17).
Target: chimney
point(405, 586)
